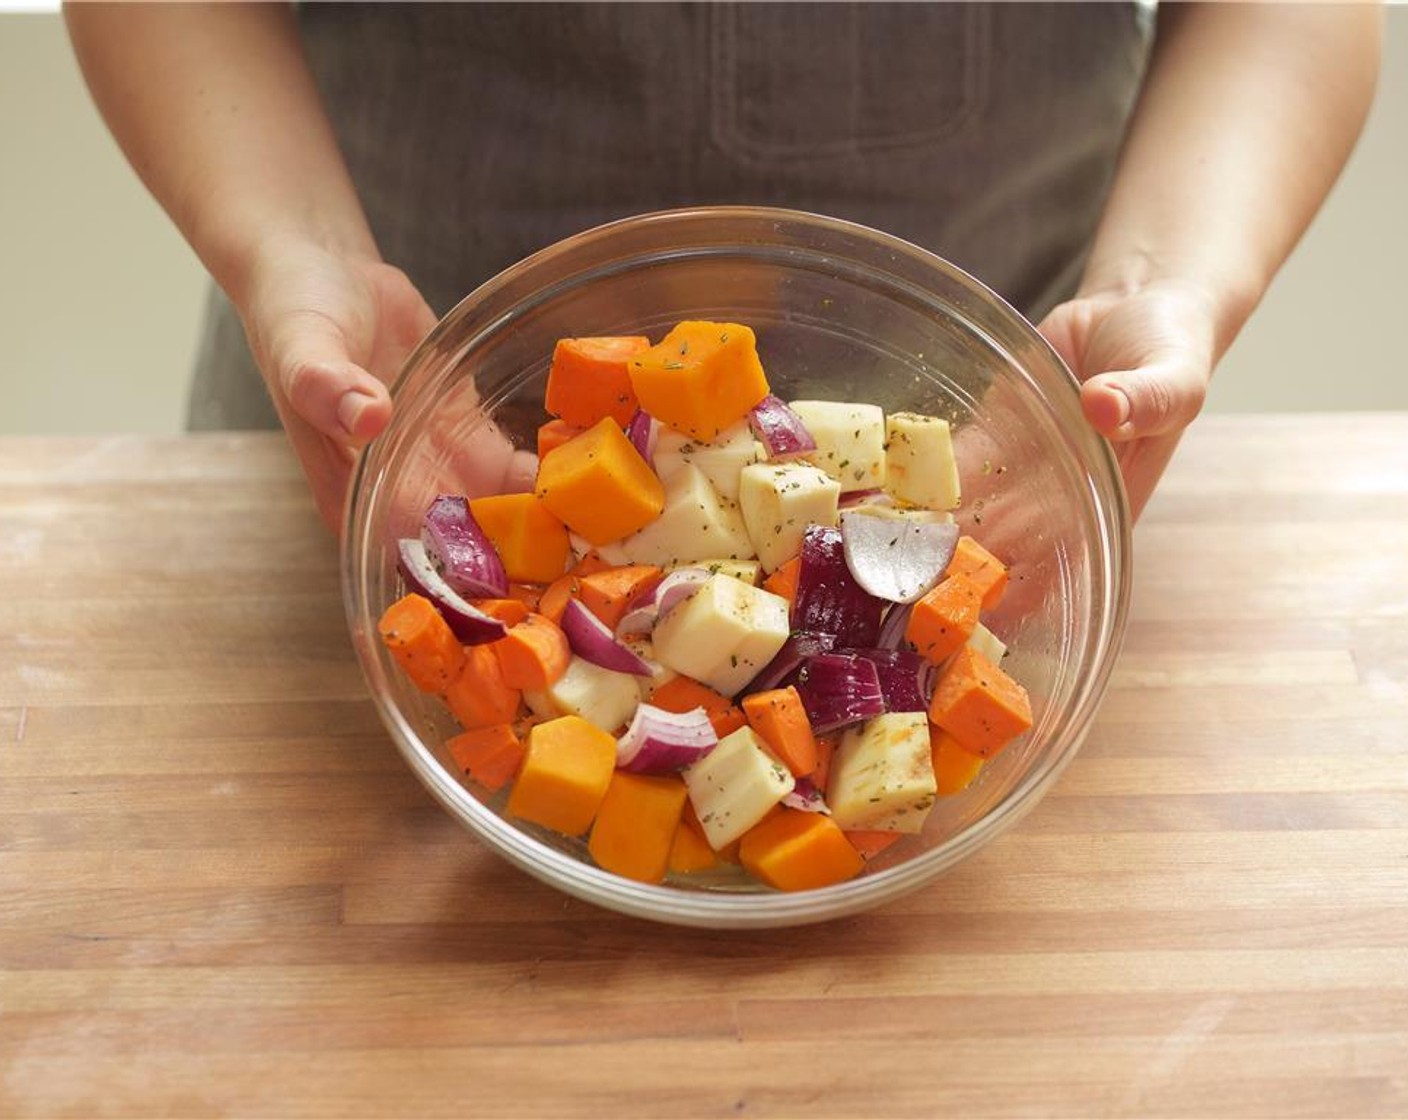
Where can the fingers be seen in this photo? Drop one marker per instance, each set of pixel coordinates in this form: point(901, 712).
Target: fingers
point(325, 387)
point(1158, 398)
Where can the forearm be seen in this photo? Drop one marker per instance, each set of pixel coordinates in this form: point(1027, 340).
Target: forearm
point(215, 107)
point(1248, 114)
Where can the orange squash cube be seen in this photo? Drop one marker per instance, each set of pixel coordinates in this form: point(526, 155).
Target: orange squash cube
point(531, 542)
point(690, 852)
point(944, 618)
point(979, 705)
point(636, 825)
point(701, 378)
point(565, 772)
point(599, 486)
point(981, 567)
point(793, 850)
point(954, 768)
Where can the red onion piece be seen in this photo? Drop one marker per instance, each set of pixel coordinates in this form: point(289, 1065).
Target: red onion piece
point(896, 558)
point(829, 599)
point(906, 678)
point(661, 742)
point(876, 497)
point(461, 551)
point(470, 625)
point(806, 797)
point(674, 589)
point(592, 640)
point(641, 431)
point(892, 630)
point(838, 689)
point(800, 645)
point(780, 430)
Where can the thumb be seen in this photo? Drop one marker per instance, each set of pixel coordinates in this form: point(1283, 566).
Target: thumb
point(325, 387)
point(1164, 395)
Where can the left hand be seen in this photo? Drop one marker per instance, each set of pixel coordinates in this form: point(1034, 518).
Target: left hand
point(1144, 359)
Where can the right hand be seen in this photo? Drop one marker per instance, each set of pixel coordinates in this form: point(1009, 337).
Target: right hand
point(330, 332)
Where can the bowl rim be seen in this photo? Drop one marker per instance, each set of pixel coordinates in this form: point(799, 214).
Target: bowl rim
point(743, 909)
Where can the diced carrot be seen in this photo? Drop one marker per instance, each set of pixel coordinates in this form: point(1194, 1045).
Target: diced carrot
point(534, 654)
point(944, 618)
point(701, 378)
point(871, 842)
point(684, 694)
point(531, 542)
point(781, 722)
point(566, 768)
point(979, 705)
point(690, 819)
point(599, 485)
point(554, 434)
point(508, 611)
point(690, 852)
point(479, 696)
point(784, 581)
point(986, 571)
point(954, 768)
point(796, 851)
point(825, 748)
point(608, 593)
point(489, 755)
point(422, 643)
point(554, 599)
point(636, 825)
point(591, 562)
point(588, 380)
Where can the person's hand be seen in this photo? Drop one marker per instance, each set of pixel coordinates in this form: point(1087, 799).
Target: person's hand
point(329, 333)
point(1144, 359)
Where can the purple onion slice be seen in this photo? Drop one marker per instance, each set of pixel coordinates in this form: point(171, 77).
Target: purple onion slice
point(470, 625)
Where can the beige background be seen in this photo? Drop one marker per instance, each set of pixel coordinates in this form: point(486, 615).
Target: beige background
point(99, 297)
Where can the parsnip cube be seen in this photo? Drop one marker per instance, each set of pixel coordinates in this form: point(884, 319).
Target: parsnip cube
point(779, 501)
point(920, 466)
point(723, 634)
point(734, 786)
point(600, 696)
point(749, 571)
point(644, 648)
point(696, 524)
point(611, 552)
point(882, 776)
point(719, 460)
point(988, 644)
point(850, 441)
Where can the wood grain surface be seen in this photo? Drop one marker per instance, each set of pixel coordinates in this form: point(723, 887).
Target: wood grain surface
point(222, 894)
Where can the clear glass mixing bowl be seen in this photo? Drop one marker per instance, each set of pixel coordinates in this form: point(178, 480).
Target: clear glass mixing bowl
point(841, 312)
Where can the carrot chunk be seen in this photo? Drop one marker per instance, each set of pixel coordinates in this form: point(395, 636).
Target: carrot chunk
point(588, 380)
point(636, 825)
point(796, 851)
point(531, 542)
point(479, 696)
point(608, 593)
point(701, 378)
point(979, 705)
point(599, 485)
point(555, 597)
point(781, 722)
point(871, 842)
point(944, 618)
point(825, 748)
point(532, 655)
point(981, 567)
point(508, 611)
point(566, 768)
point(422, 643)
point(954, 768)
point(684, 694)
point(784, 580)
point(554, 434)
point(489, 755)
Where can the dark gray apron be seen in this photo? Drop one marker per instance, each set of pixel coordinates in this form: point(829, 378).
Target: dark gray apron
point(479, 133)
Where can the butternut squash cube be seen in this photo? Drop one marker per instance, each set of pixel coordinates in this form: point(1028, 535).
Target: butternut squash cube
point(599, 486)
point(701, 378)
point(530, 541)
point(635, 826)
point(565, 772)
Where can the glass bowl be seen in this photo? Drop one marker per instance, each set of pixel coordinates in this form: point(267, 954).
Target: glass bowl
point(841, 312)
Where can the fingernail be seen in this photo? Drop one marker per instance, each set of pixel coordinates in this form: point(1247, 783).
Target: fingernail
point(1122, 407)
point(349, 410)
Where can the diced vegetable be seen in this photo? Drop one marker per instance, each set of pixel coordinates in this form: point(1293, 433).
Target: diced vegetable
point(980, 566)
point(719, 460)
point(806, 798)
point(735, 785)
point(479, 696)
point(850, 441)
point(781, 722)
point(599, 486)
point(701, 378)
point(683, 694)
point(783, 668)
point(779, 501)
point(636, 824)
point(460, 550)
point(533, 654)
point(660, 676)
point(906, 678)
point(469, 624)
point(945, 618)
point(588, 380)
point(882, 776)
point(689, 851)
point(592, 640)
point(919, 464)
point(839, 689)
point(979, 705)
point(491, 756)
point(784, 580)
point(749, 571)
point(893, 627)
point(954, 768)
point(421, 642)
point(988, 644)
point(825, 752)
point(642, 431)
point(780, 430)
point(508, 611)
point(554, 434)
point(871, 842)
point(608, 554)
point(798, 851)
point(898, 559)
point(530, 541)
point(674, 589)
point(695, 523)
point(609, 593)
point(566, 769)
point(603, 697)
point(661, 742)
point(723, 634)
point(828, 597)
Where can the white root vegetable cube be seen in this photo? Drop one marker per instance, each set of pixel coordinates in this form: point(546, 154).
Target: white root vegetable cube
point(611, 552)
point(987, 643)
point(850, 441)
point(779, 501)
point(920, 466)
point(696, 524)
point(734, 786)
point(602, 697)
point(882, 776)
point(749, 571)
point(644, 648)
point(723, 634)
point(719, 461)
